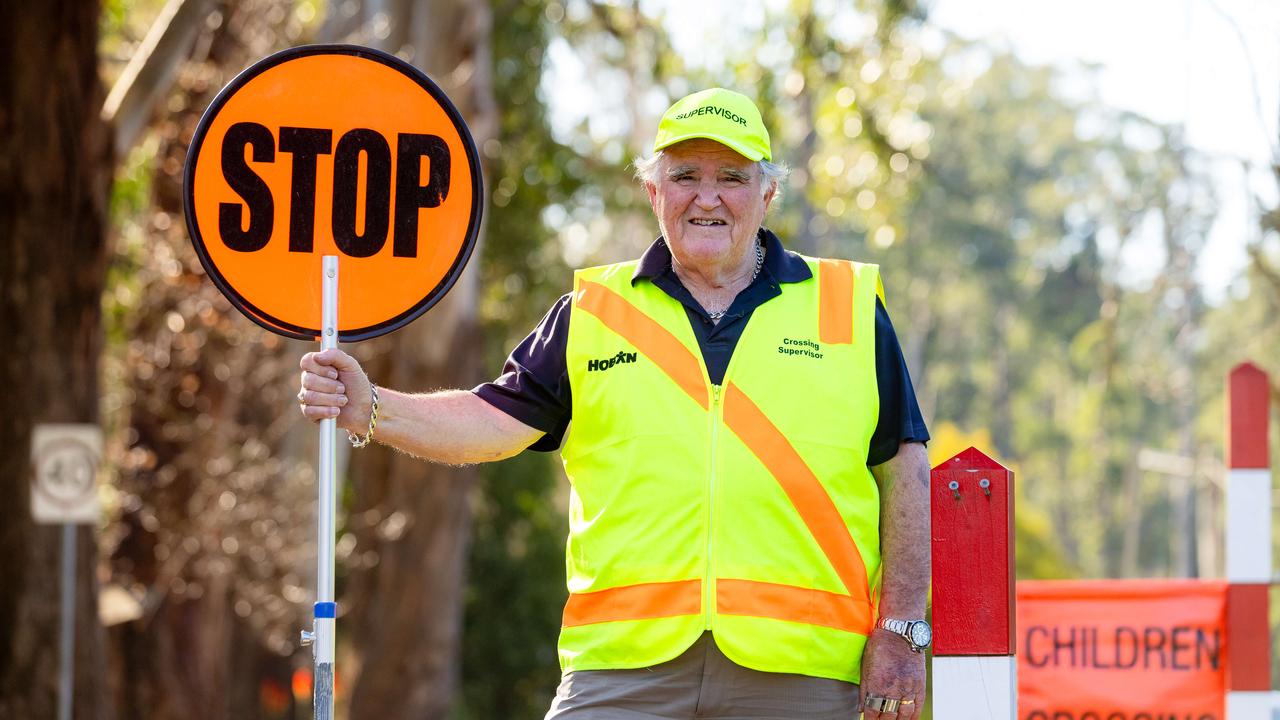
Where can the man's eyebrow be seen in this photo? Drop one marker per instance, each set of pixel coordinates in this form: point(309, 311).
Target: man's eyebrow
point(732, 172)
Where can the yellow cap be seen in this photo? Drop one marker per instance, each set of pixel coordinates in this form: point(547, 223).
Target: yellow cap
point(725, 116)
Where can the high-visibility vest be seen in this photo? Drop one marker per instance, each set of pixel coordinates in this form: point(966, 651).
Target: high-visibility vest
point(744, 508)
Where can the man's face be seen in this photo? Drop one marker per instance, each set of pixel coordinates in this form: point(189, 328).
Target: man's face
point(709, 202)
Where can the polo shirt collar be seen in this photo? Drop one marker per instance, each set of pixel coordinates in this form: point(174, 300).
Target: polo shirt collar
point(780, 263)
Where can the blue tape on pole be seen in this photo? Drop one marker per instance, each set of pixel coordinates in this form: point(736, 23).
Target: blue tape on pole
point(326, 609)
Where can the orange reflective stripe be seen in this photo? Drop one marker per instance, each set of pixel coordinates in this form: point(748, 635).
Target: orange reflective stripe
point(634, 602)
point(835, 302)
point(647, 335)
point(807, 495)
point(796, 604)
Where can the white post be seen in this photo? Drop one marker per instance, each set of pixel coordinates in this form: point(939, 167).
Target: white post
point(1248, 544)
point(975, 687)
point(974, 664)
point(325, 607)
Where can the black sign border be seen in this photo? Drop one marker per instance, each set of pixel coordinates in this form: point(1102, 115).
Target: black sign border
point(241, 303)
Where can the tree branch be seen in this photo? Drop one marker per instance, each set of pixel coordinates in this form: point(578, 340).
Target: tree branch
point(150, 71)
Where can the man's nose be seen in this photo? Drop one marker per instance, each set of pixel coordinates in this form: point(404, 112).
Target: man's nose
point(708, 195)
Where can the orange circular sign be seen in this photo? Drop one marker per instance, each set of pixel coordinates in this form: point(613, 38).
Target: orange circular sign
point(333, 150)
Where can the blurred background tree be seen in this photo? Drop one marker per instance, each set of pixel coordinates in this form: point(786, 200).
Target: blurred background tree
point(1004, 211)
point(55, 181)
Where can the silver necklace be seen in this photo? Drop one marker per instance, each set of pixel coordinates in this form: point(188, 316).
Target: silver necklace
point(754, 274)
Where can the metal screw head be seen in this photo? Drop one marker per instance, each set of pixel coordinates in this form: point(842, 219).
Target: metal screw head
point(953, 485)
point(984, 483)
point(328, 331)
point(330, 273)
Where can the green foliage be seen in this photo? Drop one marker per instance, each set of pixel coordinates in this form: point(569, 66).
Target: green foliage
point(516, 590)
point(121, 27)
point(1010, 286)
point(114, 13)
point(1039, 552)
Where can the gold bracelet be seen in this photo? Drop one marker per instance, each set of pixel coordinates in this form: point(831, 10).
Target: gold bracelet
point(358, 441)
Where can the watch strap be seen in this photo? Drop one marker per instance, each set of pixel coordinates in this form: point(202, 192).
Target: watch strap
point(897, 627)
point(901, 628)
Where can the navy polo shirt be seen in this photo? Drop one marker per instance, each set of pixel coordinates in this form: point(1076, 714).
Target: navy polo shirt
point(534, 385)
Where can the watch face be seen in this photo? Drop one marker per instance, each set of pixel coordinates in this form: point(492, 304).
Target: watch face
point(921, 634)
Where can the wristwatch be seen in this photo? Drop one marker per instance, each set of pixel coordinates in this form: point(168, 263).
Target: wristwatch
point(917, 633)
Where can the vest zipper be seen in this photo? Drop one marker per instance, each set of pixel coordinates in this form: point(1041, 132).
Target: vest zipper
point(708, 587)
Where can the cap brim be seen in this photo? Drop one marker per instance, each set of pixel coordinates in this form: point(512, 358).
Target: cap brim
point(751, 154)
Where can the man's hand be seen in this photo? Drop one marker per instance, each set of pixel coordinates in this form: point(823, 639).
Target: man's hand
point(334, 385)
point(890, 669)
point(450, 426)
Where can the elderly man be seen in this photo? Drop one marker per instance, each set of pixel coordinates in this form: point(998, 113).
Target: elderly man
point(749, 521)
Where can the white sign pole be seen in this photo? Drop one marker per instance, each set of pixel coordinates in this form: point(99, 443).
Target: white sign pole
point(325, 608)
point(68, 638)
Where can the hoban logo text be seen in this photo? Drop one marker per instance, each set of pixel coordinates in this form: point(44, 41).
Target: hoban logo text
point(606, 363)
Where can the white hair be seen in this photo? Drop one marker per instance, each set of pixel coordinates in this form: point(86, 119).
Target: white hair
point(771, 174)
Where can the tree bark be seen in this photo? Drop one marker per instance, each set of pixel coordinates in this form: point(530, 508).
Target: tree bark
point(55, 176)
point(412, 519)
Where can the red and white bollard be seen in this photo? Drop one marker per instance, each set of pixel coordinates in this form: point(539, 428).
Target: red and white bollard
point(974, 668)
point(1248, 544)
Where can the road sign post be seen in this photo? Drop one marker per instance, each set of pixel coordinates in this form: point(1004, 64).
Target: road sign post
point(67, 623)
point(320, 152)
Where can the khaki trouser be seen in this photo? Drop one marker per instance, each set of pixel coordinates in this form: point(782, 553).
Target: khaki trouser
point(701, 684)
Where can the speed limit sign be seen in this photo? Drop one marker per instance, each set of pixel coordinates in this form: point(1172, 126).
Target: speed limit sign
point(64, 463)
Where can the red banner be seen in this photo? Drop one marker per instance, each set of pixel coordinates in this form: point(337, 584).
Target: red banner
point(1121, 650)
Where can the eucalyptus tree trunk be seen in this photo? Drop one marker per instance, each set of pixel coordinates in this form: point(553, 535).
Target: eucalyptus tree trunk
point(55, 176)
point(411, 519)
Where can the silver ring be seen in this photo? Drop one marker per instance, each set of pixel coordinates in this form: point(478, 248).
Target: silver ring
point(884, 704)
